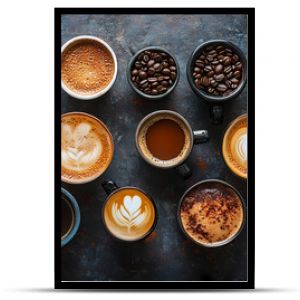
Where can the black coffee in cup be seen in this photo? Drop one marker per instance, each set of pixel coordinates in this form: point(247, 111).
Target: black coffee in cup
point(67, 217)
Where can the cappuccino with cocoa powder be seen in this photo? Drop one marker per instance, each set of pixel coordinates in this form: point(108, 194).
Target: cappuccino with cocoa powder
point(211, 213)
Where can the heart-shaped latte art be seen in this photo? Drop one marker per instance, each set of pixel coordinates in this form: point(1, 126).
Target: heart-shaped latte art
point(80, 147)
point(130, 212)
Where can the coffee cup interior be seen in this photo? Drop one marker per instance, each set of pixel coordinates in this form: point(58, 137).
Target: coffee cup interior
point(70, 217)
point(164, 139)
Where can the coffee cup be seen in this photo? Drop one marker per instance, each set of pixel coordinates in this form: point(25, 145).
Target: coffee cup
point(211, 213)
point(88, 67)
point(234, 146)
point(165, 139)
point(86, 147)
point(128, 213)
point(70, 217)
point(217, 73)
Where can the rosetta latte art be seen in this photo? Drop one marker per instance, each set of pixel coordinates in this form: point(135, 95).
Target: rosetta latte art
point(81, 148)
point(130, 212)
point(241, 147)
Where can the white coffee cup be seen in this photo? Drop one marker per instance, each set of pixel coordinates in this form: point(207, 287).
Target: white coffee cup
point(109, 86)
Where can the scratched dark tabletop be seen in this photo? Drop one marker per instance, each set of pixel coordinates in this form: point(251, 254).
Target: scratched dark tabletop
point(166, 255)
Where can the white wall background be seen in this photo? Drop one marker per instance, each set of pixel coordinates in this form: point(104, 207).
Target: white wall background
point(26, 148)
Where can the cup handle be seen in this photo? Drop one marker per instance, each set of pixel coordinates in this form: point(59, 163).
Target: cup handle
point(216, 113)
point(109, 186)
point(184, 170)
point(200, 136)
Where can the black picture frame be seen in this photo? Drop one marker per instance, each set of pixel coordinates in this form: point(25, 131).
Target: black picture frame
point(250, 12)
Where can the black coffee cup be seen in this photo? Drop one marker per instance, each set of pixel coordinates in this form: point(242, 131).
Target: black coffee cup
point(195, 137)
point(216, 102)
point(70, 217)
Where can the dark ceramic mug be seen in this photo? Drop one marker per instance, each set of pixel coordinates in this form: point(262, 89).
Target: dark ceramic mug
point(225, 185)
point(141, 93)
point(194, 137)
point(216, 102)
point(75, 213)
point(127, 212)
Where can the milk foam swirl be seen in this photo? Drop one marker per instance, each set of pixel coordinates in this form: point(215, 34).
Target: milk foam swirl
point(81, 148)
point(130, 213)
point(241, 147)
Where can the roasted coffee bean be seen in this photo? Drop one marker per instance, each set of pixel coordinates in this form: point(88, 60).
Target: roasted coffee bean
point(138, 65)
point(213, 83)
point(210, 74)
point(166, 77)
point(142, 75)
point(173, 76)
point(234, 80)
point(150, 63)
point(226, 61)
point(173, 69)
point(205, 81)
point(154, 92)
point(220, 48)
point(151, 71)
point(160, 78)
point(221, 87)
point(196, 69)
point(198, 82)
point(171, 61)
point(155, 84)
point(133, 78)
point(237, 74)
point(134, 72)
point(208, 68)
point(229, 75)
point(219, 77)
point(218, 68)
point(234, 86)
point(200, 63)
point(235, 58)
point(164, 83)
point(170, 82)
point(146, 58)
point(166, 71)
point(143, 82)
point(228, 83)
point(156, 66)
point(165, 64)
point(152, 79)
point(227, 69)
point(211, 90)
point(238, 65)
point(157, 57)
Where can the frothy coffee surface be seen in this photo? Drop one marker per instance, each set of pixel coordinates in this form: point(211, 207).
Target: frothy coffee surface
point(129, 214)
point(164, 140)
point(234, 146)
point(86, 147)
point(87, 67)
point(211, 213)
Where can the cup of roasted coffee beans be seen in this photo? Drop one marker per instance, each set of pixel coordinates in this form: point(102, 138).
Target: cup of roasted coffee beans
point(153, 72)
point(217, 72)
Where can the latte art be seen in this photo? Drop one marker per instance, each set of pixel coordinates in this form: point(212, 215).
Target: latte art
point(241, 147)
point(234, 146)
point(129, 214)
point(83, 148)
point(86, 147)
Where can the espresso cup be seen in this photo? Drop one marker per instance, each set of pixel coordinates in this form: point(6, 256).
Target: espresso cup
point(88, 67)
point(234, 146)
point(128, 213)
point(86, 147)
point(211, 213)
point(165, 139)
point(70, 217)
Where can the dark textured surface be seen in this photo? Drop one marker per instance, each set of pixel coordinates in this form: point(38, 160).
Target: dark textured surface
point(167, 254)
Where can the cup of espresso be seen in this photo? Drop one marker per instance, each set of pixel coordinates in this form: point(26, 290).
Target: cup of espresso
point(165, 139)
point(70, 217)
point(128, 214)
point(88, 67)
point(86, 147)
point(211, 213)
point(234, 146)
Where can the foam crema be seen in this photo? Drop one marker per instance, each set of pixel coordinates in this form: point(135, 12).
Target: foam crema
point(211, 213)
point(129, 214)
point(234, 146)
point(86, 147)
point(142, 140)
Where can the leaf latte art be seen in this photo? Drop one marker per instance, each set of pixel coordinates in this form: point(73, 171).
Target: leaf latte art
point(129, 214)
point(86, 147)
